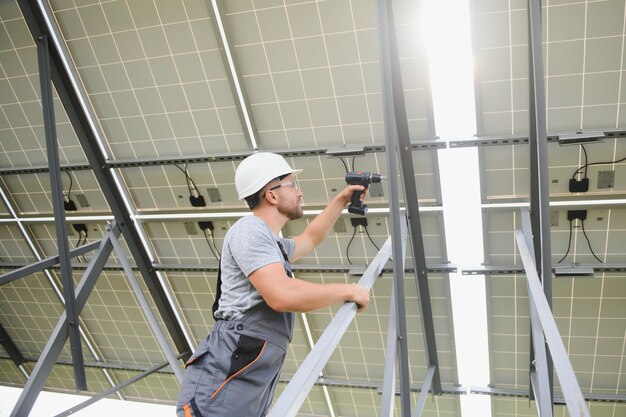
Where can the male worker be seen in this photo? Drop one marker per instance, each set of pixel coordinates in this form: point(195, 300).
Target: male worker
point(234, 371)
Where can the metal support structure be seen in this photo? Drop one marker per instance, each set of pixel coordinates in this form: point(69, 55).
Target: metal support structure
point(49, 275)
point(147, 311)
point(387, 400)
point(40, 21)
point(539, 182)
point(574, 399)
point(539, 378)
point(291, 399)
point(395, 114)
point(59, 335)
point(236, 83)
point(421, 401)
point(44, 264)
point(309, 151)
point(56, 187)
point(56, 342)
point(10, 348)
point(114, 389)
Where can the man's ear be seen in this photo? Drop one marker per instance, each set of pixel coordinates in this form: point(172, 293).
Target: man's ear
point(270, 196)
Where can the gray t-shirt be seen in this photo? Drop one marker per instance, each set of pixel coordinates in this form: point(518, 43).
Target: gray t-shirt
point(248, 245)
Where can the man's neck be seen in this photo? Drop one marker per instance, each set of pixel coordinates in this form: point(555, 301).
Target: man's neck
point(271, 217)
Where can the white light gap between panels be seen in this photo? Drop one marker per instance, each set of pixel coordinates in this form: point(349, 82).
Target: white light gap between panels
point(446, 30)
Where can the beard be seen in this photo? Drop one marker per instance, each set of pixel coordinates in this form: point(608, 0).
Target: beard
point(292, 213)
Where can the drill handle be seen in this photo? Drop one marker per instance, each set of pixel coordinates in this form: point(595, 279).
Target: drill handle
point(356, 198)
point(356, 206)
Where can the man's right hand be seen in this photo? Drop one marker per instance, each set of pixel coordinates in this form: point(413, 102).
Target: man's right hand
point(360, 295)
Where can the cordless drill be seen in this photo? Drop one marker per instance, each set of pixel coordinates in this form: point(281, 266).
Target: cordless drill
point(364, 179)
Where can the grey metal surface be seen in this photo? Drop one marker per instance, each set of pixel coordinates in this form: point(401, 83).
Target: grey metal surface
point(40, 21)
point(300, 384)
point(387, 399)
point(156, 330)
point(56, 187)
point(58, 338)
point(394, 99)
point(114, 389)
point(395, 125)
point(26, 270)
point(567, 378)
point(428, 380)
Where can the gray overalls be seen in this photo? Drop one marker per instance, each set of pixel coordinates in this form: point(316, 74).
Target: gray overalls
point(234, 371)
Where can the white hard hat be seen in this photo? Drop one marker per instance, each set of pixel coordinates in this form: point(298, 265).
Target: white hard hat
point(254, 172)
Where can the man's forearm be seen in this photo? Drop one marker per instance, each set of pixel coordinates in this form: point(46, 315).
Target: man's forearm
point(321, 225)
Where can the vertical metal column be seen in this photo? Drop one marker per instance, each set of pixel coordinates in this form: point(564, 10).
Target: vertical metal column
point(539, 375)
point(59, 211)
point(572, 394)
point(59, 335)
point(387, 400)
point(539, 199)
point(392, 88)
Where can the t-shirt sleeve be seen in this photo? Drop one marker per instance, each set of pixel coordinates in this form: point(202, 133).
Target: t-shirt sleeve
point(254, 247)
point(289, 245)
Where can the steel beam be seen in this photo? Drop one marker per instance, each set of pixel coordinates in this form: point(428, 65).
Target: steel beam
point(395, 126)
point(356, 384)
point(516, 269)
point(574, 399)
point(56, 187)
point(59, 335)
point(236, 82)
point(388, 399)
point(539, 182)
point(29, 269)
point(147, 311)
point(40, 20)
point(428, 145)
point(302, 268)
point(289, 402)
point(10, 348)
point(394, 94)
point(421, 401)
point(114, 389)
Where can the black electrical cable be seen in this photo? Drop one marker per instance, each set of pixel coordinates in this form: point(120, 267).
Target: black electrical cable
point(345, 165)
point(586, 160)
point(582, 225)
point(371, 240)
point(213, 251)
point(348, 247)
point(69, 191)
point(353, 159)
point(569, 242)
point(189, 181)
point(81, 242)
point(597, 163)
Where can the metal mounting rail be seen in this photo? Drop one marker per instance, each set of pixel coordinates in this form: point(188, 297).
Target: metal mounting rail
point(307, 374)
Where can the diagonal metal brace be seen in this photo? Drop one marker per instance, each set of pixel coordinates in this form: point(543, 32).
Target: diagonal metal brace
point(59, 335)
point(303, 380)
point(574, 399)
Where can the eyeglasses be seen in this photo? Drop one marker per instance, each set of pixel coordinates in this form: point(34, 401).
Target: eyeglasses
point(292, 184)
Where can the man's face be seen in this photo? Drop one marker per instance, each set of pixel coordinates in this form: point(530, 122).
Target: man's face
point(289, 197)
